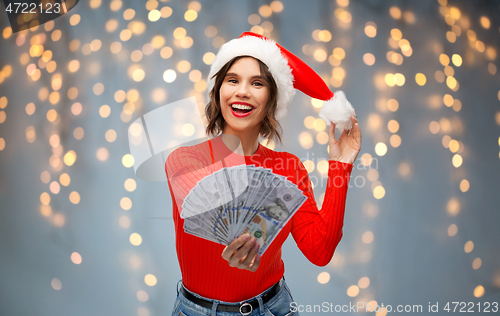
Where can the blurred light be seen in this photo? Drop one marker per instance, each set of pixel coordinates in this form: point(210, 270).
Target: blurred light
point(74, 197)
point(320, 55)
point(166, 52)
point(364, 282)
point(78, 133)
point(393, 126)
point(46, 210)
point(353, 291)
point(485, 22)
point(190, 15)
point(452, 230)
point(369, 59)
point(453, 146)
point(395, 13)
point(396, 34)
point(469, 246)
point(54, 187)
point(476, 264)
point(444, 59)
point(45, 198)
point(111, 25)
point(367, 237)
point(392, 105)
point(479, 291)
point(124, 221)
point(380, 149)
point(366, 159)
point(395, 141)
point(142, 296)
point(378, 192)
point(135, 262)
point(135, 239)
point(188, 129)
point(420, 79)
point(125, 35)
point(370, 29)
point(64, 179)
point(104, 111)
point(154, 15)
point(142, 311)
point(277, 6)
point(56, 284)
point(457, 160)
point(322, 138)
point(309, 165)
point(45, 177)
point(76, 258)
point(265, 11)
point(183, 66)
point(70, 158)
point(98, 88)
point(169, 75)
point(434, 127)
point(179, 33)
point(126, 203)
point(58, 220)
point(211, 31)
point(110, 135)
point(453, 207)
point(372, 175)
point(150, 280)
point(305, 140)
point(492, 69)
point(102, 154)
point(166, 12)
point(323, 277)
point(309, 122)
point(128, 14)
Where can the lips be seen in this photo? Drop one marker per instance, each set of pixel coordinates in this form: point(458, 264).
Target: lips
point(241, 113)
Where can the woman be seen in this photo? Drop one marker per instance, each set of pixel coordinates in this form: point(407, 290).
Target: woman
point(251, 83)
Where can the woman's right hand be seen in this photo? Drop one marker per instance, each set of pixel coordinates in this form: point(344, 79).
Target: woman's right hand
point(242, 253)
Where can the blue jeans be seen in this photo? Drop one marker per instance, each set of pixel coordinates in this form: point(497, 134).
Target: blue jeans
point(278, 305)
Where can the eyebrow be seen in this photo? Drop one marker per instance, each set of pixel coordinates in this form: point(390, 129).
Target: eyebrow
point(236, 75)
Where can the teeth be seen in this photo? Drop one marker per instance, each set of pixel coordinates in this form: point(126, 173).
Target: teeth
point(241, 106)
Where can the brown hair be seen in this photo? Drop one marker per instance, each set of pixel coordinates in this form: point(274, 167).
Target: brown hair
point(269, 128)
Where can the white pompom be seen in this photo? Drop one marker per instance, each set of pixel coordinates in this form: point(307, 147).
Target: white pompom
point(337, 110)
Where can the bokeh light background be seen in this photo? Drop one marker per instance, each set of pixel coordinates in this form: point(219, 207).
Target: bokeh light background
point(81, 235)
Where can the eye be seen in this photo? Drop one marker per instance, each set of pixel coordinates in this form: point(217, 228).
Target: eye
point(232, 80)
point(258, 83)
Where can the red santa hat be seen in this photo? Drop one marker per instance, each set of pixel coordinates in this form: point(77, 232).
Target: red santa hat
point(289, 73)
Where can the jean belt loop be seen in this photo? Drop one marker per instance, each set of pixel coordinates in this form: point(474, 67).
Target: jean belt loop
point(214, 307)
point(261, 305)
point(180, 281)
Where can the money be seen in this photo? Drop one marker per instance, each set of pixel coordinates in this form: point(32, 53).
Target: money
point(241, 199)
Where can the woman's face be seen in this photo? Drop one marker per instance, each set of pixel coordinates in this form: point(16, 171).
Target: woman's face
point(243, 96)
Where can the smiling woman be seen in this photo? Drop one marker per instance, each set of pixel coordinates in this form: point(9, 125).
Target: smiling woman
point(251, 83)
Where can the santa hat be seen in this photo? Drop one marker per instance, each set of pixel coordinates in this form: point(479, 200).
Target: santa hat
point(289, 73)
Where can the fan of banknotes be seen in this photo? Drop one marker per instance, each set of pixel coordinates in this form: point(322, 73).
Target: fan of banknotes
point(241, 199)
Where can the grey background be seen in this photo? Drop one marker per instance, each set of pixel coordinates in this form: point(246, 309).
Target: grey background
point(413, 260)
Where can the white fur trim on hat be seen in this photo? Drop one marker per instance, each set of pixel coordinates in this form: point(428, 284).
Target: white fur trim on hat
point(269, 53)
point(337, 110)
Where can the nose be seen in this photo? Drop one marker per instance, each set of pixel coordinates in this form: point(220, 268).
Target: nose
point(243, 91)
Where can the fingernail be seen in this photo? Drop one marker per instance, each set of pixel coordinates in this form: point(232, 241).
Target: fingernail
point(246, 236)
point(258, 259)
point(256, 246)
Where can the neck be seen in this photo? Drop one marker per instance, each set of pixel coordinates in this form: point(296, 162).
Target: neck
point(249, 140)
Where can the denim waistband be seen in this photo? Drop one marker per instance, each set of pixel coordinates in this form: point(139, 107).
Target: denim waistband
point(217, 302)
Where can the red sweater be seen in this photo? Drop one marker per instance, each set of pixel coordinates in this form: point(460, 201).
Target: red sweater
point(316, 232)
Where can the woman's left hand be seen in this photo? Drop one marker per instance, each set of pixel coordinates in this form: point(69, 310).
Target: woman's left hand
point(347, 147)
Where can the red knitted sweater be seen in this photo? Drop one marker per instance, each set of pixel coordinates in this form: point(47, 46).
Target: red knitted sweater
point(316, 232)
